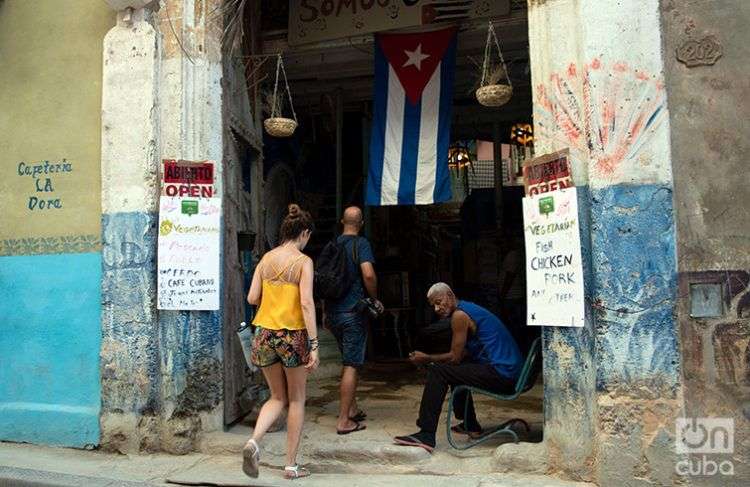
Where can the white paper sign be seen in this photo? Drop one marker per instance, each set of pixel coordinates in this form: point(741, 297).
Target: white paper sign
point(554, 270)
point(189, 249)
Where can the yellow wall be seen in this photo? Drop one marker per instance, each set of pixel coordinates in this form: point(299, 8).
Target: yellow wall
point(50, 105)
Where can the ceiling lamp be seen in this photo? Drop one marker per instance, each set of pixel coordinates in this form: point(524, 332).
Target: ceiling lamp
point(458, 156)
point(522, 134)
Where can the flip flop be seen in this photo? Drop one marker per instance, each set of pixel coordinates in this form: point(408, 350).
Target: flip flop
point(359, 417)
point(359, 427)
point(411, 441)
point(461, 430)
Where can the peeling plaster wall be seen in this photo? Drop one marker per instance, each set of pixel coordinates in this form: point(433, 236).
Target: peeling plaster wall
point(709, 90)
point(191, 128)
point(612, 389)
point(131, 349)
point(570, 377)
point(162, 370)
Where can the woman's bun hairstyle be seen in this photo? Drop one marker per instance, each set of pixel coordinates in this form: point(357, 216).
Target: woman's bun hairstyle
point(296, 221)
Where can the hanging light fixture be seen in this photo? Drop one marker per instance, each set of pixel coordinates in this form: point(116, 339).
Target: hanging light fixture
point(522, 134)
point(458, 156)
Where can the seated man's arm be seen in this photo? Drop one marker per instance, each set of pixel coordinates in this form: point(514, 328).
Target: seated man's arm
point(460, 323)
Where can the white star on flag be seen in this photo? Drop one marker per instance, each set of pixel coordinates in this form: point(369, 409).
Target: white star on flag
point(415, 58)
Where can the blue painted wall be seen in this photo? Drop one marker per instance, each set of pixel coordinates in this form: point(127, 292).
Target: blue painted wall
point(629, 342)
point(155, 364)
point(570, 368)
point(151, 360)
point(635, 279)
point(50, 334)
point(130, 348)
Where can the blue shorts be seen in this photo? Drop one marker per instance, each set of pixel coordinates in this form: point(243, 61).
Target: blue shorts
point(350, 332)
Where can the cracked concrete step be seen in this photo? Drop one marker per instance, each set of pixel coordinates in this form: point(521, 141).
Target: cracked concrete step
point(45, 466)
point(340, 449)
point(342, 455)
point(226, 471)
point(349, 455)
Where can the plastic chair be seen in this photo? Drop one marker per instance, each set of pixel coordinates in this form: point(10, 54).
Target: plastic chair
point(525, 382)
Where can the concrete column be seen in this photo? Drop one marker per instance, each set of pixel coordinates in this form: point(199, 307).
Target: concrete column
point(130, 354)
point(190, 123)
point(162, 375)
point(612, 388)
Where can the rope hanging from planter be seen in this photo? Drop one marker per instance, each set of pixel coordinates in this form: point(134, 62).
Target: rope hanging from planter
point(279, 126)
point(491, 93)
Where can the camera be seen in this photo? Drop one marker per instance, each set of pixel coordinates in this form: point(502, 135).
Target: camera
point(369, 306)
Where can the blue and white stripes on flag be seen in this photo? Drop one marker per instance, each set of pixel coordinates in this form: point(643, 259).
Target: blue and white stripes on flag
point(411, 121)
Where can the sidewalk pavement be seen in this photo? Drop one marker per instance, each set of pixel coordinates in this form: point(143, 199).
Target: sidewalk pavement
point(29, 465)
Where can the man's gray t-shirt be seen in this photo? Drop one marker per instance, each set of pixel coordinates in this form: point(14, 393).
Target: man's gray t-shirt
point(357, 290)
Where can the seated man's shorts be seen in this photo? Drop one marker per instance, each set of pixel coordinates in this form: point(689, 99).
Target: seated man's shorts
point(351, 335)
point(290, 347)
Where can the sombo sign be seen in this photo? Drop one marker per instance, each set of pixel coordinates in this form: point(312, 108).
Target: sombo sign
point(554, 270)
point(323, 20)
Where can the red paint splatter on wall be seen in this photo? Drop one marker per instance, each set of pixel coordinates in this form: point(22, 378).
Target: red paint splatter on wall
point(608, 115)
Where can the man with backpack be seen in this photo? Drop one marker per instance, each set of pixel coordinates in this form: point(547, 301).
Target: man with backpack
point(345, 278)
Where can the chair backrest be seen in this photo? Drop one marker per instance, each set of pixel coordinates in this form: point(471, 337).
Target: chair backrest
point(530, 367)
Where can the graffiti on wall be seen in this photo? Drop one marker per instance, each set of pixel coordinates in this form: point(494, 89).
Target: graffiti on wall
point(606, 112)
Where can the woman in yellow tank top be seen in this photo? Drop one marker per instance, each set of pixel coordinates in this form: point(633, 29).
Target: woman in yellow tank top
point(285, 346)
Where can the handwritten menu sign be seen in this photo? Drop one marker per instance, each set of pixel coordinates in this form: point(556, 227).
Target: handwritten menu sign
point(547, 173)
point(188, 259)
point(554, 270)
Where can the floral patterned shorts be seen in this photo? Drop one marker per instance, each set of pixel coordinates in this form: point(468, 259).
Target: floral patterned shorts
point(290, 347)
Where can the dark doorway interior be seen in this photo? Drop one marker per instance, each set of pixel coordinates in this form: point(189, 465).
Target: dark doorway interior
point(474, 243)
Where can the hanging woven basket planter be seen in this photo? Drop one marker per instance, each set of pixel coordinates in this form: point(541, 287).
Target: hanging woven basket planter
point(492, 93)
point(278, 126)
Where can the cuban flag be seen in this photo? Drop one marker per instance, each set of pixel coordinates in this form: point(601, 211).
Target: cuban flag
point(413, 94)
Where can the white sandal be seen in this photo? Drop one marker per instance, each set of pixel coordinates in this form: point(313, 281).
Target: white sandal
point(295, 472)
point(251, 458)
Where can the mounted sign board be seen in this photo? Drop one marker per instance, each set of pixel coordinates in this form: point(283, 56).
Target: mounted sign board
point(188, 258)
point(554, 269)
point(546, 173)
point(188, 178)
point(323, 20)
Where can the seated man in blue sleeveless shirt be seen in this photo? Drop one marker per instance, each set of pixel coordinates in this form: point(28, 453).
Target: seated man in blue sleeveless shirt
point(483, 354)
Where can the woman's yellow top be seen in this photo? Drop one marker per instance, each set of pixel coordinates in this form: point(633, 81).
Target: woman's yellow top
point(280, 305)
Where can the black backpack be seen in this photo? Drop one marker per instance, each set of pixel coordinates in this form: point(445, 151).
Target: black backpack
point(333, 277)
